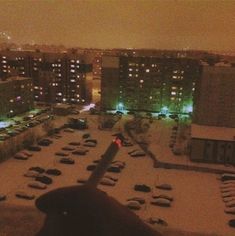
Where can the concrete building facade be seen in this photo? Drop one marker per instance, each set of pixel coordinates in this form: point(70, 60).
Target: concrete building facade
point(148, 83)
point(213, 128)
point(69, 71)
point(16, 96)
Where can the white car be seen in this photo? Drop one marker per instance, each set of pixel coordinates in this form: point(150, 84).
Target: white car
point(89, 144)
point(32, 174)
point(21, 156)
point(27, 153)
point(134, 205)
point(138, 153)
point(161, 202)
point(69, 130)
point(108, 182)
point(37, 185)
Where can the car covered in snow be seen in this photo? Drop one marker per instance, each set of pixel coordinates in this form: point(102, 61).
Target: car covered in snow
point(37, 185)
point(133, 205)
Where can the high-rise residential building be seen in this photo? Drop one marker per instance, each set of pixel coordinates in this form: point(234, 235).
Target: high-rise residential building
point(214, 99)
point(213, 128)
point(69, 71)
point(148, 83)
point(16, 96)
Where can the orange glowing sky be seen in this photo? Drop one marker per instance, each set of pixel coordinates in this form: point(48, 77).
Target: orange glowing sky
point(163, 24)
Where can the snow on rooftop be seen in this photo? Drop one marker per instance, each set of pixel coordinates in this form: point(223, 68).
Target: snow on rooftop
point(212, 132)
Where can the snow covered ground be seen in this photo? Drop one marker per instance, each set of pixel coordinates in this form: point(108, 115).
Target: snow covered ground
point(197, 205)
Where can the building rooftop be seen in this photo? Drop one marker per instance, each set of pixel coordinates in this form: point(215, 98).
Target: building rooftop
point(212, 132)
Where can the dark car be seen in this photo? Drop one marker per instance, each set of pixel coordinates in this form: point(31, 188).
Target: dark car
point(34, 148)
point(24, 195)
point(67, 160)
point(55, 172)
point(142, 188)
point(44, 179)
point(38, 169)
point(86, 135)
point(79, 152)
point(74, 143)
point(173, 116)
point(231, 223)
point(91, 167)
point(2, 197)
point(44, 142)
point(114, 169)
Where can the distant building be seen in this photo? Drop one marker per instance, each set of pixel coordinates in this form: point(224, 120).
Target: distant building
point(69, 70)
point(16, 96)
point(148, 83)
point(213, 128)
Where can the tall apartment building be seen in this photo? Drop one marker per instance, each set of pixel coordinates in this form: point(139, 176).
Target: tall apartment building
point(213, 128)
point(69, 71)
point(16, 96)
point(148, 83)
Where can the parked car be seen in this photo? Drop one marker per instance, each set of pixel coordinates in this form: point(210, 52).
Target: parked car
point(69, 130)
point(21, 156)
point(79, 152)
point(24, 195)
point(91, 167)
point(91, 141)
point(138, 199)
point(74, 143)
point(44, 179)
point(37, 185)
point(138, 153)
point(68, 148)
point(161, 202)
point(34, 148)
point(114, 169)
point(3, 197)
point(27, 153)
point(134, 205)
point(111, 177)
point(107, 181)
point(155, 220)
point(142, 188)
point(164, 186)
point(227, 176)
point(231, 223)
point(54, 172)
point(44, 142)
point(163, 196)
point(81, 181)
point(32, 174)
point(89, 144)
point(121, 164)
point(67, 160)
point(38, 169)
point(86, 135)
point(63, 154)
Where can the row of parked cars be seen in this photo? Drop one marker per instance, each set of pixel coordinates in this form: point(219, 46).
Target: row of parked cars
point(163, 200)
point(227, 189)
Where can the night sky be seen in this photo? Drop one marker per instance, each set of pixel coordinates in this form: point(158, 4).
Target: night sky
point(165, 24)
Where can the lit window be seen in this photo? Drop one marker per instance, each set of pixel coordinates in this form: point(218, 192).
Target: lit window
point(130, 69)
point(173, 88)
point(147, 70)
point(130, 75)
point(173, 93)
point(141, 81)
point(150, 97)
